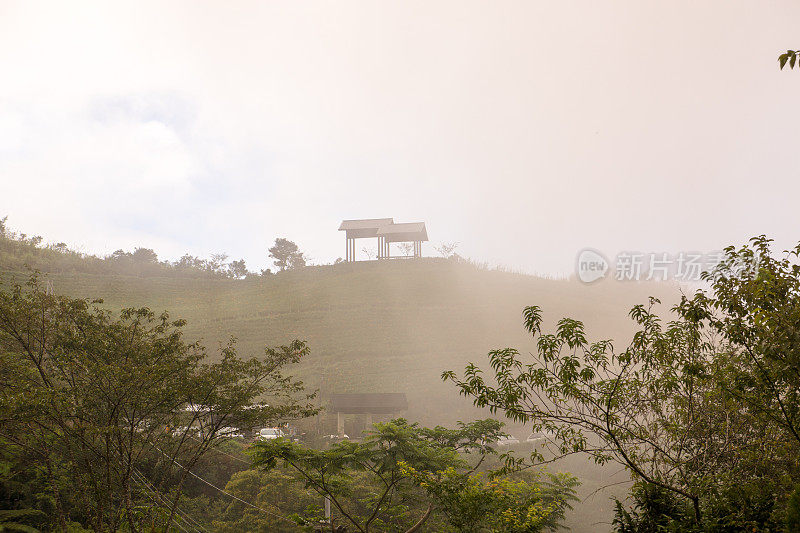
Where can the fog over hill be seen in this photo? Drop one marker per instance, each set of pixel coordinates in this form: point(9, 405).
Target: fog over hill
point(377, 326)
point(388, 326)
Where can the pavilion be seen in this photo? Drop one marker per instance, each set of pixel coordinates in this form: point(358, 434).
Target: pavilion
point(386, 231)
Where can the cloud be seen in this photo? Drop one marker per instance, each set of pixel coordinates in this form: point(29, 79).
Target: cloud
point(526, 132)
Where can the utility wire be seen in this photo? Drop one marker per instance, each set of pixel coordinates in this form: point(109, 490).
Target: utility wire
point(159, 504)
point(185, 516)
point(226, 453)
point(162, 501)
point(223, 491)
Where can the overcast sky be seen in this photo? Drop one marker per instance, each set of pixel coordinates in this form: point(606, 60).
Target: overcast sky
point(525, 131)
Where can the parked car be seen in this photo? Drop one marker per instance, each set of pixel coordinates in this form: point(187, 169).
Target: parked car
point(270, 434)
point(336, 437)
point(230, 432)
point(507, 440)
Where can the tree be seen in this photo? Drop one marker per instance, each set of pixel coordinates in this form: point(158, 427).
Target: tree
point(404, 475)
point(216, 265)
point(407, 248)
point(145, 255)
point(475, 502)
point(287, 255)
point(274, 490)
point(704, 407)
point(238, 269)
point(125, 401)
point(447, 249)
point(754, 306)
point(575, 389)
point(382, 462)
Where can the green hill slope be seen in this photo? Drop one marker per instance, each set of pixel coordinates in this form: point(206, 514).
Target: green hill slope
point(374, 326)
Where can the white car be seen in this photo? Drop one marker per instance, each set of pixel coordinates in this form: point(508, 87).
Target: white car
point(270, 434)
point(230, 432)
point(507, 440)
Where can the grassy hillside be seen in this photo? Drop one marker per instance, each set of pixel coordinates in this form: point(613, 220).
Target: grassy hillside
point(388, 326)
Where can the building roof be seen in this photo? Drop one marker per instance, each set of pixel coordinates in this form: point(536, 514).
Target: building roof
point(407, 231)
point(404, 227)
point(365, 223)
point(372, 403)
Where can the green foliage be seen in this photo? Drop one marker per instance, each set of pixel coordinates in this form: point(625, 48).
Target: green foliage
point(754, 307)
point(383, 482)
point(473, 502)
point(283, 504)
point(382, 456)
point(19, 252)
point(793, 511)
point(106, 403)
point(19, 519)
point(287, 255)
point(655, 509)
point(576, 389)
point(789, 57)
point(703, 408)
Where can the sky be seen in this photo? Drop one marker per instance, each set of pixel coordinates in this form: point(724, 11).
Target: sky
point(524, 131)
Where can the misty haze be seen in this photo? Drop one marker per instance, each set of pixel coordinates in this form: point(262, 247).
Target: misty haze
point(399, 267)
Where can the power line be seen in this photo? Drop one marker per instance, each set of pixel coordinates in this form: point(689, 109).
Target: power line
point(185, 516)
point(248, 463)
point(159, 503)
point(162, 501)
point(223, 491)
